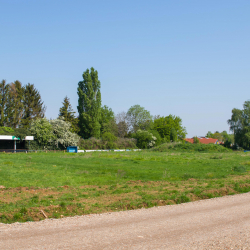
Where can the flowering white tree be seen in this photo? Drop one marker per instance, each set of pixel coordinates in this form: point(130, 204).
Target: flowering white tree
point(63, 136)
point(55, 133)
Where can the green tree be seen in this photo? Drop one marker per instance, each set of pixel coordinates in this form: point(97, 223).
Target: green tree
point(173, 135)
point(107, 120)
point(4, 90)
point(33, 105)
point(42, 130)
point(139, 118)
point(209, 134)
point(89, 104)
point(240, 125)
point(196, 140)
point(122, 124)
point(15, 106)
point(164, 126)
point(68, 114)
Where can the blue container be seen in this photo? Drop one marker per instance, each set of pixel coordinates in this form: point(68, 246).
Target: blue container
point(72, 149)
point(246, 150)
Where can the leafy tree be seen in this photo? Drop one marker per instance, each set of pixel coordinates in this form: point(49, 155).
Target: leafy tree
point(107, 120)
point(15, 105)
point(63, 137)
point(42, 130)
point(33, 105)
point(53, 134)
point(4, 90)
point(240, 125)
point(89, 104)
point(122, 124)
point(68, 115)
point(139, 118)
point(173, 135)
point(164, 126)
point(209, 134)
point(196, 140)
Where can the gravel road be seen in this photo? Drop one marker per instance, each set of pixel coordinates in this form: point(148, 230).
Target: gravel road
point(221, 223)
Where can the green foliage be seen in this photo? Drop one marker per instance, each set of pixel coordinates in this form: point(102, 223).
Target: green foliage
point(107, 120)
point(240, 125)
point(33, 105)
point(173, 135)
point(21, 133)
point(15, 105)
point(165, 126)
point(19, 105)
point(196, 140)
point(189, 147)
point(67, 113)
point(144, 139)
point(42, 130)
point(4, 90)
point(223, 136)
point(6, 131)
point(158, 140)
point(109, 137)
point(139, 118)
point(120, 143)
point(89, 104)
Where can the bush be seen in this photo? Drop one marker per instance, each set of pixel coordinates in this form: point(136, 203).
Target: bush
point(191, 147)
point(120, 143)
point(144, 139)
point(109, 137)
point(158, 140)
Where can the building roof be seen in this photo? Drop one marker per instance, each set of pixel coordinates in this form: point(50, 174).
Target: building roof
point(11, 137)
point(203, 140)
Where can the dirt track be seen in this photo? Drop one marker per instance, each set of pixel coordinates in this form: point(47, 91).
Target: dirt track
point(221, 223)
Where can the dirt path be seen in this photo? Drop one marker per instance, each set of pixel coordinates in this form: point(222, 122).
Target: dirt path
point(221, 223)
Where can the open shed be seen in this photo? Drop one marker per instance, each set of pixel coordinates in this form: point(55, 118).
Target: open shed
point(9, 143)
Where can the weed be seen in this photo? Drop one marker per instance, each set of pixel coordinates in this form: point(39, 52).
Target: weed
point(182, 199)
point(239, 169)
point(62, 204)
point(23, 211)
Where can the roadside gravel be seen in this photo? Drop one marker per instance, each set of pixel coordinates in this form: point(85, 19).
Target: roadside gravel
point(220, 223)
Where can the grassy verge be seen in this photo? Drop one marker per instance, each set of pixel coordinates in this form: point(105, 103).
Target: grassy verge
point(65, 184)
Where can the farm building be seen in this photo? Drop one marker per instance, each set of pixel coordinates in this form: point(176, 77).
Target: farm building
point(9, 143)
point(204, 140)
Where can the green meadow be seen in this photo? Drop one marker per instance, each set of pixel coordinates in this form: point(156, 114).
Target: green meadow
point(34, 186)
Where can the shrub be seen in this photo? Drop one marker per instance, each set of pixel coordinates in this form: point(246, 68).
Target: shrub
point(109, 137)
point(144, 139)
point(158, 140)
point(120, 143)
point(191, 147)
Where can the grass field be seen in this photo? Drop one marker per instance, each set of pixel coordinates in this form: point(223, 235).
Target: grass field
point(67, 184)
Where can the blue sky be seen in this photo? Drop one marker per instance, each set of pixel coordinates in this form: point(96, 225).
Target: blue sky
point(186, 58)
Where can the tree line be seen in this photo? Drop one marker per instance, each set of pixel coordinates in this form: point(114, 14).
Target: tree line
point(22, 107)
point(19, 105)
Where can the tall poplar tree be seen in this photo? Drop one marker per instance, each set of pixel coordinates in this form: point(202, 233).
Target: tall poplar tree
point(89, 104)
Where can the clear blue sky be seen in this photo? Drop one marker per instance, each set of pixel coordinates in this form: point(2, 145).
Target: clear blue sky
point(186, 58)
